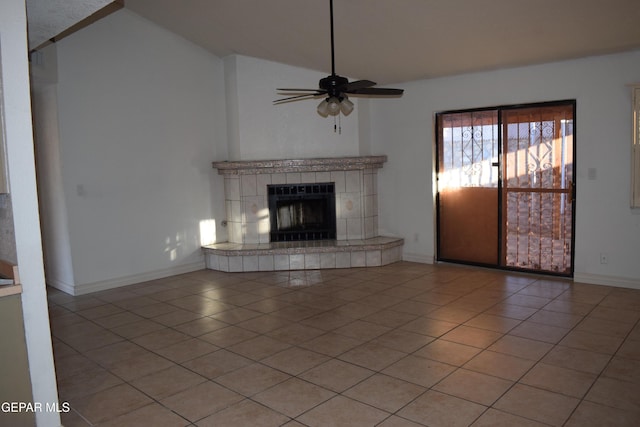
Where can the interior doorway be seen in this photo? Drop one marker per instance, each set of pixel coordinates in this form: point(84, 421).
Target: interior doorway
point(506, 188)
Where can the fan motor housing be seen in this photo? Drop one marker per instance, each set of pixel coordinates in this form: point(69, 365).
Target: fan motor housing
point(332, 84)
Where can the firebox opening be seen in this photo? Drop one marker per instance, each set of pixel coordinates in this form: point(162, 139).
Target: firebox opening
point(302, 212)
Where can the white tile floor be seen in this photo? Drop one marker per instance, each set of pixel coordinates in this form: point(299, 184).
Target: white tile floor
point(402, 345)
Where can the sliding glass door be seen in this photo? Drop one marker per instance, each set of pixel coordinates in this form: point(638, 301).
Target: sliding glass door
point(506, 187)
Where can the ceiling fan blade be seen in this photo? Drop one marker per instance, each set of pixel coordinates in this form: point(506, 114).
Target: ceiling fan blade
point(358, 84)
point(298, 97)
point(296, 90)
point(376, 91)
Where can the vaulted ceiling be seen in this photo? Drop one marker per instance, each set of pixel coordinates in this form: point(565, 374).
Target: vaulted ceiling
point(389, 41)
point(51, 19)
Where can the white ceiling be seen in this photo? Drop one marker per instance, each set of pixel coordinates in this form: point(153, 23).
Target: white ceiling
point(393, 41)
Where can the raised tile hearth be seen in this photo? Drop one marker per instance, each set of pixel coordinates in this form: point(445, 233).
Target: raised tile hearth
point(357, 242)
point(304, 255)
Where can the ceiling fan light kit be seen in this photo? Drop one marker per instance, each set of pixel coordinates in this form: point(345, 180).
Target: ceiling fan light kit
point(335, 88)
point(333, 106)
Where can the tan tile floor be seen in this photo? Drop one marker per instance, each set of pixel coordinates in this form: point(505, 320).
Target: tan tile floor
point(402, 345)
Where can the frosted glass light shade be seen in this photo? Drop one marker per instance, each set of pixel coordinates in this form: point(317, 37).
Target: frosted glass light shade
point(323, 108)
point(346, 107)
point(334, 106)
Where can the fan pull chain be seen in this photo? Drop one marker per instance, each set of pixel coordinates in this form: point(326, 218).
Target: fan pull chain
point(337, 126)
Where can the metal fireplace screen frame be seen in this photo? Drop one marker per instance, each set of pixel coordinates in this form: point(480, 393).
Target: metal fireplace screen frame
point(302, 212)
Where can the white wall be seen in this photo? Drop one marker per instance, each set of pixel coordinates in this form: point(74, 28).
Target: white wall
point(141, 112)
point(287, 131)
point(604, 222)
point(57, 248)
point(22, 182)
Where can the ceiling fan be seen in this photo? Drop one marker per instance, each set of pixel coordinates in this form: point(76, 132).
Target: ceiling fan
point(336, 88)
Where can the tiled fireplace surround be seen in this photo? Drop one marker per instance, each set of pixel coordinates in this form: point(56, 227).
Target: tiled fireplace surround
point(357, 241)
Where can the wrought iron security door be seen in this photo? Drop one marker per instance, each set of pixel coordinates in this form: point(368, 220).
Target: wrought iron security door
point(538, 188)
point(468, 187)
point(505, 187)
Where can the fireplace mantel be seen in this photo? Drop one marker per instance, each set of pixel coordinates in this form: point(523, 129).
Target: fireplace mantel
point(250, 167)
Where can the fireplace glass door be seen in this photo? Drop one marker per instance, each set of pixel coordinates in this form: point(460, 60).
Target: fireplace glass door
point(506, 187)
point(302, 212)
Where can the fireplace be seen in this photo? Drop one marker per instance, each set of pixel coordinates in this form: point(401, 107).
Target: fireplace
point(329, 203)
point(302, 212)
point(355, 198)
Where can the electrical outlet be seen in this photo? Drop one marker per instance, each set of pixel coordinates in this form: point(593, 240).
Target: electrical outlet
point(604, 258)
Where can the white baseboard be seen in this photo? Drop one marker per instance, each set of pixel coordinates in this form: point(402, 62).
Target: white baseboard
point(103, 285)
point(599, 279)
point(60, 285)
point(594, 279)
point(414, 257)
